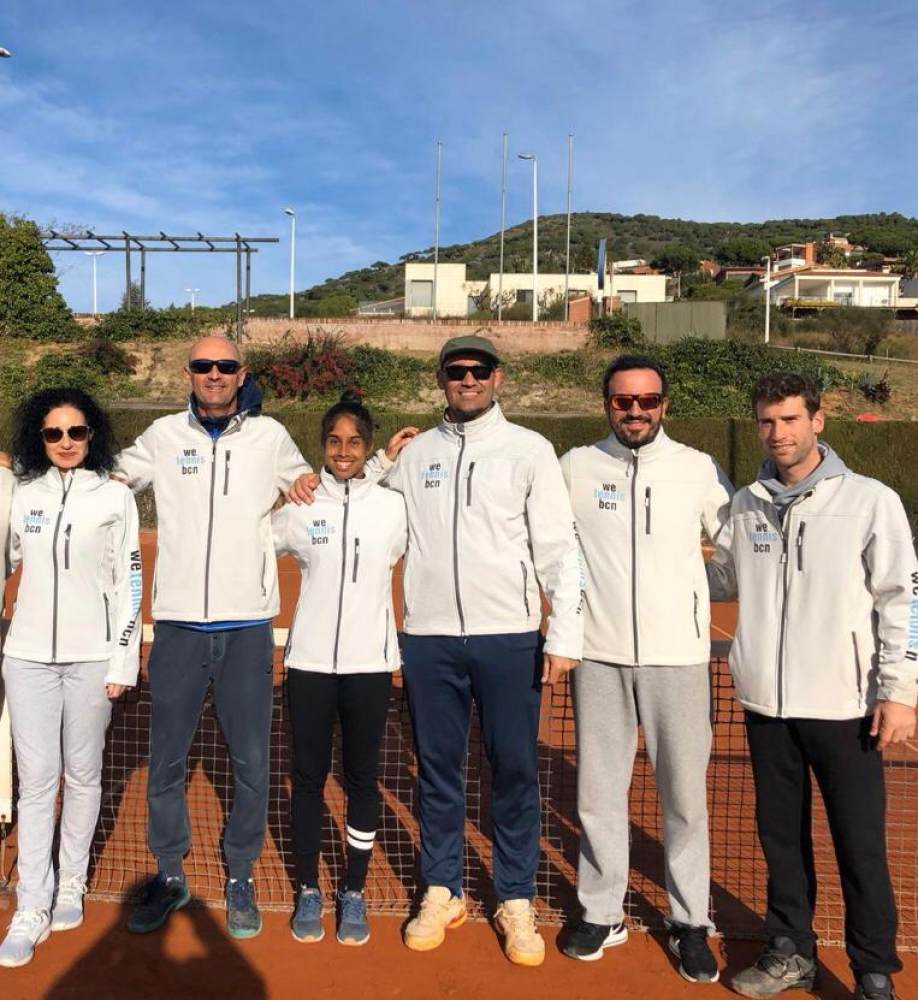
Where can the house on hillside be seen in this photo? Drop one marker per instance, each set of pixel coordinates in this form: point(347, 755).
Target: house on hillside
point(458, 296)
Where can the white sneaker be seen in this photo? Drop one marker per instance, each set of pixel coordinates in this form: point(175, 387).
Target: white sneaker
point(523, 944)
point(67, 911)
point(27, 930)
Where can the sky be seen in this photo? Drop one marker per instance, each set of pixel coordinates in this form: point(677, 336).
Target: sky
point(215, 115)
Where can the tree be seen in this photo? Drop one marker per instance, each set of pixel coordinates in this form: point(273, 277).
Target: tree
point(909, 264)
point(677, 258)
point(743, 251)
point(137, 301)
point(30, 304)
point(830, 255)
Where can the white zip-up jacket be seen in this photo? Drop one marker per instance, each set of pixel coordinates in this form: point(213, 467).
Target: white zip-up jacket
point(639, 514)
point(79, 595)
point(7, 482)
point(828, 599)
point(489, 522)
point(215, 554)
point(347, 543)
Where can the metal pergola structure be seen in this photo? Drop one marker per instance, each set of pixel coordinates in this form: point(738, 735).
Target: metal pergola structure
point(131, 243)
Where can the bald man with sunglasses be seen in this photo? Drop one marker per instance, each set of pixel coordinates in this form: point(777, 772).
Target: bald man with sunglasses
point(640, 501)
point(216, 470)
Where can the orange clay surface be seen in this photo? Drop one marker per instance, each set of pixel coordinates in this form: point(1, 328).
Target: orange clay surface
point(194, 957)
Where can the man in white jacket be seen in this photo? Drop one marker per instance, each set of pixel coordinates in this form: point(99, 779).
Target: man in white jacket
point(489, 523)
point(216, 470)
point(825, 662)
point(640, 502)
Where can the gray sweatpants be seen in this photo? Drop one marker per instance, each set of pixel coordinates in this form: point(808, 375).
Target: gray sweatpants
point(673, 705)
point(54, 707)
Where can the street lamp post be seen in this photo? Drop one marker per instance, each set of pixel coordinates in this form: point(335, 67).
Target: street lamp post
point(292, 215)
point(767, 297)
point(535, 232)
point(92, 254)
point(503, 202)
point(436, 227)
point(192, 292)
point(567, 256)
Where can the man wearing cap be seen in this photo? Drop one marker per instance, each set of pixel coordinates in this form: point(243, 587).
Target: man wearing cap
point(489, 524)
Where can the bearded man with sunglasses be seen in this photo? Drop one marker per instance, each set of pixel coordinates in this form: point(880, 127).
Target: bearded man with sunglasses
point(216, 471)
point(640, 501)
point(489, 524)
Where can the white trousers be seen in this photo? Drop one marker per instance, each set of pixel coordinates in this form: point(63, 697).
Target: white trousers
point(55, 707)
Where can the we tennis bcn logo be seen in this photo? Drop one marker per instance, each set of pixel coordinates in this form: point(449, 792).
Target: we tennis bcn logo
point(189, 461)
point(35, 520)
point(319, 531)
point(608, 497)
point(433, 475)
point(763, 536)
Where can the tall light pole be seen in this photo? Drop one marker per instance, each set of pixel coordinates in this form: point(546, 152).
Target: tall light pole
point(292, 215)
point(535, 232)
point(436, 226)
point(192, 292)
point(503, 203)
point(767, 297)
point(92, 254)
point(567, 258)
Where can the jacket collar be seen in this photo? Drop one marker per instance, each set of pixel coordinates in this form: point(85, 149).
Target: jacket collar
point(334, 488)
point(474, 430)
point(248, 404)
point(612, 446)
point(78, 480)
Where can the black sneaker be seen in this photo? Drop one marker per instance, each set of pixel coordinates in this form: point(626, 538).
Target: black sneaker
point(242, 917)
point(696, 961)
point(777, 969)
point(874, 986)
point(159, 897)
point(587, 941)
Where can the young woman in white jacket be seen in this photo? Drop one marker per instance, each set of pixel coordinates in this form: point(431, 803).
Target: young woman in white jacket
point(73, 645)
point(340, 656)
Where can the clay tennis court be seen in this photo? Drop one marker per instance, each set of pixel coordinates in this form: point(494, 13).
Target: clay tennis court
point(195, 957)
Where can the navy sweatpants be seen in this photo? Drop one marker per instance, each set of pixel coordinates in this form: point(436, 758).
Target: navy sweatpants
point(443, 675)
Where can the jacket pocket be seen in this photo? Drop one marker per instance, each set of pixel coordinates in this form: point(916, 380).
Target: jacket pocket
point(858, 669)
point(67, 546)
point(525, 586)
point(647, 511)
point(108, 622)
point(356, 559)
point(264, 566)
point(226, 472)
point(799, 545)
point(385, 649)
point(695, 613)
point(468, 485)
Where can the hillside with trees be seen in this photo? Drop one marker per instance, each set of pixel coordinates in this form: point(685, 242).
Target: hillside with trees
point(674, 245)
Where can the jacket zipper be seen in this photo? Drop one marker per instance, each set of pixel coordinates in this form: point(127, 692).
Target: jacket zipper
point(210, 528)
point(385, 649)
point(525, 586)
point(264, 566)
point(857, 667)
point(226, 468)
point(54, 562)
point(356, 559)
point(785, 524)
point(695, 612)
point(461, 432)
point(468, 485)
point(800, 546)
point(347, 501)
point(634, 615)
point(108, 620)
point(67, 546)
point(647, 511)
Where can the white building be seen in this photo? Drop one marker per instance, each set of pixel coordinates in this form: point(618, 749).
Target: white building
point(458, 297)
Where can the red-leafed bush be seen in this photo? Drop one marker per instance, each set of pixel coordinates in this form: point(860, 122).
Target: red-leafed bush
point(319, 366)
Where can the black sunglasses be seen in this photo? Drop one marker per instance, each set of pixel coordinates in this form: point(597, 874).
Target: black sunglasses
point(51, 435)
point(225, 366)
point(456, 373)
point(645, 400)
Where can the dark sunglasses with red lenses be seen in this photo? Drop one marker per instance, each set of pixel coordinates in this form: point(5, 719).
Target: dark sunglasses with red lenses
point(52, 435)
point(645, 400)
point(456, 373)
point(225, 366)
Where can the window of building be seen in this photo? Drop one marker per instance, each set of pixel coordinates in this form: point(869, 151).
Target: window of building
point(524, 296)
point(628, 295)
point(421, 294)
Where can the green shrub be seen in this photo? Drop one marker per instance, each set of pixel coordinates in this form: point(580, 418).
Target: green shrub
point(559, 368)
point(172, 323)
point(616, 330)
point(108, 357)
point(381, 374)
point(69, 369)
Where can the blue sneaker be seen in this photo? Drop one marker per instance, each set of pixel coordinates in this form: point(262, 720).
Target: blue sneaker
point(242, 917)
point(160, 896)
point(306, 925)
point(353, 928)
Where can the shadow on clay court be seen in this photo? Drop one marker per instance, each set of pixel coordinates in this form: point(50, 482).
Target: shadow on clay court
point(125, 964)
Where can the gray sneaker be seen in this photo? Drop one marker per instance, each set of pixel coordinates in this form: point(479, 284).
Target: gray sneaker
point(777, 969)
point(27, 930)
point(67, 911)
point(306, 924)
point(353, 928)
point(242, 917)
point(160, 896)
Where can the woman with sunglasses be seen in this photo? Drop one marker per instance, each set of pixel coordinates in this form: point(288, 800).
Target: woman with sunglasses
point(340, 656)
point(72, 648)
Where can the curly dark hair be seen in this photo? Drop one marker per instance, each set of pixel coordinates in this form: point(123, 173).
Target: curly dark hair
point(350, 405)
point(29, 456)
point(778, 386)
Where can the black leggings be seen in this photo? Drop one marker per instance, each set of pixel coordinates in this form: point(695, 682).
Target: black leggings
point(315, 700)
